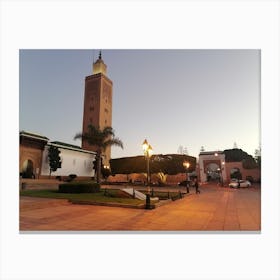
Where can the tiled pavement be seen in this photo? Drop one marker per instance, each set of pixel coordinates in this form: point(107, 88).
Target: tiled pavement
point(215, 209)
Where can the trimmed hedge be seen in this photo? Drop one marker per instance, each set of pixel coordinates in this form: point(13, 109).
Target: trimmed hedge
point(79, 187)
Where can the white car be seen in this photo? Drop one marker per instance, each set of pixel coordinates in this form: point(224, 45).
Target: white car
point(239, 184)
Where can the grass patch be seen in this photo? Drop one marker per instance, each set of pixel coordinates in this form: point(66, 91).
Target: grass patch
point(91, 197)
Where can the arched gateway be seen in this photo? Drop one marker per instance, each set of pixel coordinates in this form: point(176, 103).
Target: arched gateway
point(212, 165)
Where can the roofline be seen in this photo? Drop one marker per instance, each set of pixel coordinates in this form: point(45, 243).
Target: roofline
point(33, 135)
point(71, 148)
point(212, 153)
point(92, 76)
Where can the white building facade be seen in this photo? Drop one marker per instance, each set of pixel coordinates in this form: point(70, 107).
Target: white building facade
point(74, 160)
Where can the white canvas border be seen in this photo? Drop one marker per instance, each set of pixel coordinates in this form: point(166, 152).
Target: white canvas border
point(156, 24)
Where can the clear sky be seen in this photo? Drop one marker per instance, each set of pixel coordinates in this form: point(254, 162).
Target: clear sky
point(192, 98)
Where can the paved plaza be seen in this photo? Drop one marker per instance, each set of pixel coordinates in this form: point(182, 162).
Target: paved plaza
point(215, 209)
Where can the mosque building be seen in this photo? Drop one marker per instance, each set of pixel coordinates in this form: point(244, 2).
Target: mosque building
point(98, 103)
point(33, 161)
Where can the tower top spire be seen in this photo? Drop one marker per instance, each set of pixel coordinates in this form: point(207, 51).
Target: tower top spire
point(99, 66)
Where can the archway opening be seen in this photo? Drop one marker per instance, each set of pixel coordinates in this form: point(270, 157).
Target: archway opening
point(27, 169)
point(235, 173)
point(213, 172)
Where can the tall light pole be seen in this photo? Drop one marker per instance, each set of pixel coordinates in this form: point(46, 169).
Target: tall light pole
point(220, 170)
point(186, 164)
point(220, 174)
point(223, 166)
point(147, 149)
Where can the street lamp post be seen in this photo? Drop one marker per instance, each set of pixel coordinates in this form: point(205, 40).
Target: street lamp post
point(186, 164)
point(222, 180)
point(220, 170)
point(147, 149)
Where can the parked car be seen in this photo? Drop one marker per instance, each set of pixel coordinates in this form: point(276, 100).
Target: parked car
point(239, 184)
point(234, 180)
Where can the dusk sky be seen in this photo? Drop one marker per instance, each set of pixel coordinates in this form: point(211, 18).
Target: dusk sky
point(191, 98)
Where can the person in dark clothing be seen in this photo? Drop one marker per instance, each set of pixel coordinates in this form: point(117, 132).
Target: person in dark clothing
point(196, 186)
point(188, 186)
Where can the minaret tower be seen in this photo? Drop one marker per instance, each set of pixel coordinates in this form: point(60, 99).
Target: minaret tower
point(98, 103)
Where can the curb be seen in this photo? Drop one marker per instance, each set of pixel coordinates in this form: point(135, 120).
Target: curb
point(110, 204)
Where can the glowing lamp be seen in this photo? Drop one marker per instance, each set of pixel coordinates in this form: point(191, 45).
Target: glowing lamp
point(145, 145)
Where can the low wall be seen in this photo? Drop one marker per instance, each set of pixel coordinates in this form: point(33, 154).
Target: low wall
point(30, 184)
point(255, 173)
point(170, 179)
point(53, 178)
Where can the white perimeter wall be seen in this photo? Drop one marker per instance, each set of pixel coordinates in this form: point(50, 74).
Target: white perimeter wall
point(73, 162)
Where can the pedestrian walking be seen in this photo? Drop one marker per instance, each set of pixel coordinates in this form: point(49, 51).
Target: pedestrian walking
point(188, 186)
point(196, 186)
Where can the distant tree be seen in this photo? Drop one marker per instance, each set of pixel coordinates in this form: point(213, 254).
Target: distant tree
point(100, 139)
point(237, 155)
point(128, 165)
point(185, 151)
point(249, 163)
point(167, 164)
point(180, 150)
point(54, 159)
point(232, 155)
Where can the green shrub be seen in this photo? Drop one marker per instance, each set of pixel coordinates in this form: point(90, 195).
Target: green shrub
point(79, 187)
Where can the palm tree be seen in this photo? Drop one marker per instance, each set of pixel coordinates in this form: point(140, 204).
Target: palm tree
point(100, 140)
